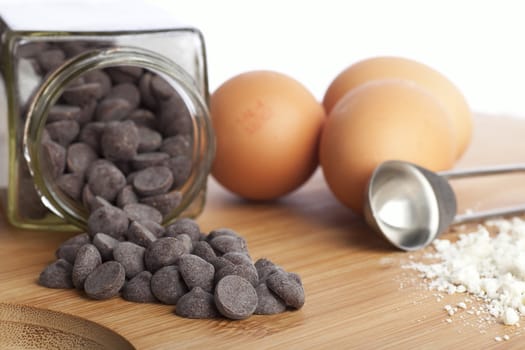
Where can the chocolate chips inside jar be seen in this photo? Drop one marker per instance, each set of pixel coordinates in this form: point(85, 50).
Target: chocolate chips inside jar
point(175, 267)
point(110, 153)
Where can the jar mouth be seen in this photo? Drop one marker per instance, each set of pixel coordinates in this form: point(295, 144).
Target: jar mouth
point(51, 90)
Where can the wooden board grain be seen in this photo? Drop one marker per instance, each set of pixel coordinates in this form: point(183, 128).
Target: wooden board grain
point(357, 295)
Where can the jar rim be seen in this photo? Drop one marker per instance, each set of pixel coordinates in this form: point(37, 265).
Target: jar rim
point(52, 88)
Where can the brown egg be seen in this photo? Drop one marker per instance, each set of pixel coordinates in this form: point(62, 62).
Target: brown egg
point(378, 121)
point(401, 68)
point(267, 127)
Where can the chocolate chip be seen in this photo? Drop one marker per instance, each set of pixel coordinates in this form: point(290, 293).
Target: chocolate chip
point(238, 258)
point(219, 263)
point(140, 212)
point(99, 202)
point(268, 303)
point(167, 285)
point(81, 238)
point(196, 304)
point(139, 234)
point(163, 252)
point(179, 145)
point(153, 181)
point(186, 226)
point(87, 259)
point(222, 232)
point(287, 288)
point(131, 256)
point(204, 250)
point(174, 117)
point(29, 203)
point(105, 245)
point(57, 275)
point(235, 297)
point(145, 90)
point(126, 196)
point(160, 88)
point(112, 109)
point(225, 244)
point(91, 134)
point(81, 95)
point(105, 179)
point(265, 268)
point(164, 203)
point(146, 160)
point(54, 157)
point(105, 281)
point(71, 185)
point(186, 242)
point(143, 117)
point(149, 140)
point(295, 277)
point(63, 132)
point(180, 167)
point(138, 289)
point(88, 198)
point(119, 141)
point(79, 157)
point(63, 112)
point(110, 220)
point(87, 112)
point(98, 76)
point(126, 91)
point(248, 272)
point(50, 59)
point(131, 176)
point(196, 272)
point(45, 137)
point(157, 229)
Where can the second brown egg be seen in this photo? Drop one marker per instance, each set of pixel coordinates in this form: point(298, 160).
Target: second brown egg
point(378, 121)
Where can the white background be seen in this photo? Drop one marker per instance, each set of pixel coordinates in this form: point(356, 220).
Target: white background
point(479, 45)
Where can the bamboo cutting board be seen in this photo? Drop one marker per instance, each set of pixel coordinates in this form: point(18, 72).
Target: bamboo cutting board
point(357, 295)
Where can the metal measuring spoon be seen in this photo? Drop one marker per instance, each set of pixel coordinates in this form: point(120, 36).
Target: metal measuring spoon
point(411, 206)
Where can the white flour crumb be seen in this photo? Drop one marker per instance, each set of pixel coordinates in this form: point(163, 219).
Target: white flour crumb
point(489, 268)
point(462, 305)
point(448, 320)
point(461, 289)
point(498, 338)
point(506, 337)
point(510, 316)
point(450, 310)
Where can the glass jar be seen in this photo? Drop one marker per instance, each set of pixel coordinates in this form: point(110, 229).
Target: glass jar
point(39, 64)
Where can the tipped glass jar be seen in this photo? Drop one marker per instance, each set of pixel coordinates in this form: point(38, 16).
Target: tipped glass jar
point(104, 113)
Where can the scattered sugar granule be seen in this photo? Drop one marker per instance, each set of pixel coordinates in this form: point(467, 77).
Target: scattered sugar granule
point(498, 338)
point(462, 305)
point(489, 268)
point(506, 337)
point(448, 320)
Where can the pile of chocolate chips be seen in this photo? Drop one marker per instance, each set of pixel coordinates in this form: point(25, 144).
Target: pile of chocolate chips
point(203, 275)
